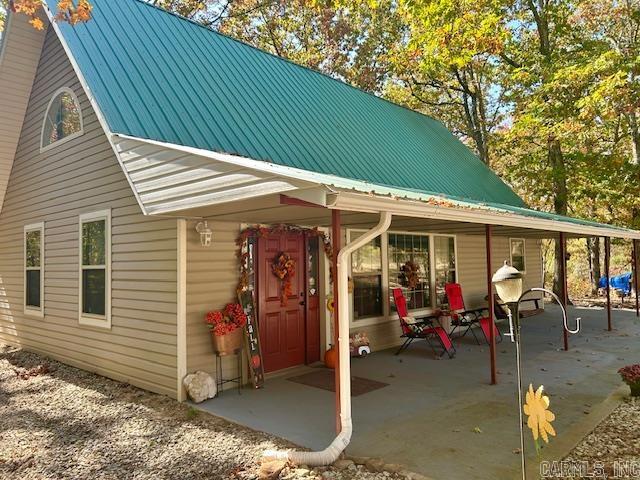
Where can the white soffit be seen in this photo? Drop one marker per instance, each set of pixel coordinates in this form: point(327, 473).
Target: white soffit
point(168, 178)
point(20, 49)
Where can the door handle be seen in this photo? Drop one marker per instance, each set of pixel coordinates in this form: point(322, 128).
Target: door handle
point(303, 303)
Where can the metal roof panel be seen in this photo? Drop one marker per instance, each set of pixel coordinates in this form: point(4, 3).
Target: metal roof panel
point(161, 77)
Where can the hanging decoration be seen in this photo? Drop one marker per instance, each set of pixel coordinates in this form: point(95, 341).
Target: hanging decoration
point(410, 274)
point(258, 231)
point(284, 268)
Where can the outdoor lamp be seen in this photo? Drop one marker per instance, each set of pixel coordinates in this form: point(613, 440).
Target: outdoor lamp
point(205, 233)
point(508, 282)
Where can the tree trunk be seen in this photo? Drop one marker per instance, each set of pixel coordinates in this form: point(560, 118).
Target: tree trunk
point(634, 130)
point(595, 272)
point(473, 103)
point(560, 200)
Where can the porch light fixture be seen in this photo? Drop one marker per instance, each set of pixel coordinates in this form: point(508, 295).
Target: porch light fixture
point(205, 233)
point(508, 282)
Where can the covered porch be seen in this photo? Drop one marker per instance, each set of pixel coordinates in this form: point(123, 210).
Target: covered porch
point(410, 420)
point(481, 240)
point(446, 418)
point(441, 418)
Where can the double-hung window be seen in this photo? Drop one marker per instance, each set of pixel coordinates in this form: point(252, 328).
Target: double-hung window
point(95, 269)
point(409, 268)
point(516, 248)
point(444, 264)
point(34, 269)
point(366, 270)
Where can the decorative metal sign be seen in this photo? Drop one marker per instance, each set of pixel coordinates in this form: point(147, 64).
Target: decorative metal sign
point(252, 339)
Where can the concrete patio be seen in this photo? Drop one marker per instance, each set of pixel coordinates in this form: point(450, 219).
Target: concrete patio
point(441, 417)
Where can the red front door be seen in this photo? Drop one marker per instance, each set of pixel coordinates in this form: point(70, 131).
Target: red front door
point(282, 327)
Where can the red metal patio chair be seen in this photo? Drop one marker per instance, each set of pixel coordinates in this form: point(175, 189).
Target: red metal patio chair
point(461, 317)
point(420, 328)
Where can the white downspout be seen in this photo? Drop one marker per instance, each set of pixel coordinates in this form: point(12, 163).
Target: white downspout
point(333, 451)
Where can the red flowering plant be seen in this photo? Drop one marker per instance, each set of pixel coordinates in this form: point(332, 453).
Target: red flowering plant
point(226, 321)
point(631, 376)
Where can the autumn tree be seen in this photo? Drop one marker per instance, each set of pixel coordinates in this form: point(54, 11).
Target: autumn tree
point(449, 65)
point(67, 11)
point(614, 74)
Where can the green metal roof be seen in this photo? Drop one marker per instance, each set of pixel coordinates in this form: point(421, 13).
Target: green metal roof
point(158, 76)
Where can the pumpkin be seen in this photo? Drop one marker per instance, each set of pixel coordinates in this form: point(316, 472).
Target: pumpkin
point(331, 357)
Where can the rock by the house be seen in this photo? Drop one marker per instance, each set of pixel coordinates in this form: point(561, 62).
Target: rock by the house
point(200, 386)
point(270, 470)
point(342, 464)
point(375, 465)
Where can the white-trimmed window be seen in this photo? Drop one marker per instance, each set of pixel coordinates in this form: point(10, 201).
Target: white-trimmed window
point(63, 120)
point(517, 252)
point(34, 269)
point(376, 269)
point(445, 264)
point(95, 269)
point(409, 256)
point(366, 272)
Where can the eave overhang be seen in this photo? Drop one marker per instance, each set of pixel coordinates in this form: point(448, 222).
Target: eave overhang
point(444, 209)
point(172, 178)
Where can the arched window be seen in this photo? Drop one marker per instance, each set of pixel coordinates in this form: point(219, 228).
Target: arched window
point(63, 120)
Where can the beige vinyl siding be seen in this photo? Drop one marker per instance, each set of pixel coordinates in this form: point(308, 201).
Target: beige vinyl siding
point(212, 277)
point(473, 267)
point(56, 186)
point(20, 48)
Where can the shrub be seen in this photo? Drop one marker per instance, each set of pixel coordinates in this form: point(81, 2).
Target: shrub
point(631, 376)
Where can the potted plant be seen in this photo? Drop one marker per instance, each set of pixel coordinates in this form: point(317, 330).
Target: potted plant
point(226, 327)
point(631, 376)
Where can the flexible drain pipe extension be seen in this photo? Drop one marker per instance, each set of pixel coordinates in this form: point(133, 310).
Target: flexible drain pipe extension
point(333, 451)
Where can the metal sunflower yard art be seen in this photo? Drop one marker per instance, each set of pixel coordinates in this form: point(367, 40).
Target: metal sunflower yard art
point(540, 417)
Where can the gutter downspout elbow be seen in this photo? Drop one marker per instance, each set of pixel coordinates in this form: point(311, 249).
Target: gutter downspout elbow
point(337, 446)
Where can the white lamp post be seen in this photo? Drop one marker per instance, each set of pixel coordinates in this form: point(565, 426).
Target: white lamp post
point(508, 283)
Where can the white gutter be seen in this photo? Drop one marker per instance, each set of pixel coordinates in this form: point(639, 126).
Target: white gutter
point(333, 451)
point(371, 203)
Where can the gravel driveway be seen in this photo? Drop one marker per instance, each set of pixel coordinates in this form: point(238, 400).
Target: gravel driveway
point(59, 422)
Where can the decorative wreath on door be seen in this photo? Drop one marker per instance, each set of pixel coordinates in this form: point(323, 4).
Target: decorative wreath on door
point(284, 268)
